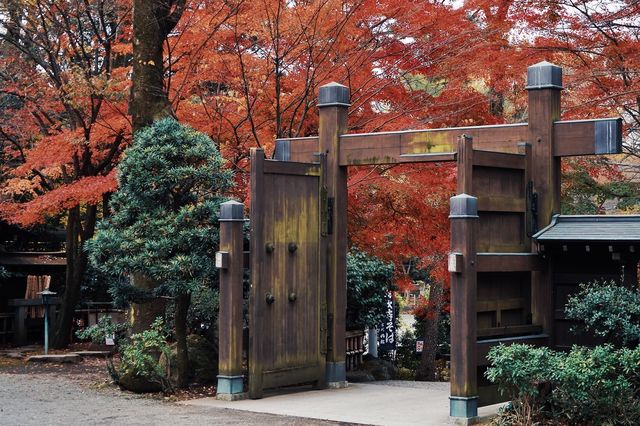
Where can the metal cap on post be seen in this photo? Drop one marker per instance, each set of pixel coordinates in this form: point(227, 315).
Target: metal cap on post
point(231, 211)
point(608, 136)
point(333, 94)
point(463, 206)
point(544, 75)
point(282, 152)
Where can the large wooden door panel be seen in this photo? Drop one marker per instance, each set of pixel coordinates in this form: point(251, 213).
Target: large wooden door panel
point(287, 279)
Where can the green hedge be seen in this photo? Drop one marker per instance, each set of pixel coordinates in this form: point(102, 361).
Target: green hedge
point(585, 386)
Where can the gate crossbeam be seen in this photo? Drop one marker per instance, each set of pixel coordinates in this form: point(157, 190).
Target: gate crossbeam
point(575, 137)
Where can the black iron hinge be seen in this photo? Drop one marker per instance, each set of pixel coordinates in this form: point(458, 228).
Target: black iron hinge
point(532, 210)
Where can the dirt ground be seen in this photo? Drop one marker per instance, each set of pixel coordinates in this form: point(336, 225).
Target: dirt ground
point(81, 394)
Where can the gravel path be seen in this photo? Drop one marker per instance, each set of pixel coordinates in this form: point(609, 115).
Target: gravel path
point(49, 400)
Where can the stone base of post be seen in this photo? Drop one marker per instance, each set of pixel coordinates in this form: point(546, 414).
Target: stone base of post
point(463, 406)
point(373, 342)
point(230, 388)
point(336, 375)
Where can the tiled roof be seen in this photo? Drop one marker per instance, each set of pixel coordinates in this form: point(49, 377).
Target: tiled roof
point(591, 228)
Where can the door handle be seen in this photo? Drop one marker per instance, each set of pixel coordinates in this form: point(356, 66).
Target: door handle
point(292, 297)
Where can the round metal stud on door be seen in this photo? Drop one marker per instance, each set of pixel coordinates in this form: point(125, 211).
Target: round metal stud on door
point(269, 298)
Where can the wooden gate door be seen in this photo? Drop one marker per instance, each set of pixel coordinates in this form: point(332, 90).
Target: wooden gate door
point(287, 304)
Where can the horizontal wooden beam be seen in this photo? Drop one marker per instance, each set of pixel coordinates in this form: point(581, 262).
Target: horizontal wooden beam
point(588, 137)
point(485, 345)
point(489, 246)
point(424, 158)
point(502, 160)
point(499, 304)
point(389, 147)
point(33, 259)
point(33, 302)
point(509, 262)
point(291, 168)
point(510, 331)
point(577, 137)
point(303, 150)
point(501, 204)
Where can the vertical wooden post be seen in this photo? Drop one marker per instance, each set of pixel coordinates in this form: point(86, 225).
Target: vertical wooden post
point(462, 266)
point(630, 275)
point(20, 334)
point(544, 83)
point(257, 247)
point(229, 261)
point(333, 102)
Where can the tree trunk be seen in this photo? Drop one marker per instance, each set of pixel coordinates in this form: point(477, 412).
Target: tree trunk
point(182, 352)
point(427, 369)
point(152, 22)
point(76, 267)
point(141, 315)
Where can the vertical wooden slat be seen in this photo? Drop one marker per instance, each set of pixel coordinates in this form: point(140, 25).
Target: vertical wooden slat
point(544, 85)
point(530, 216)
point(333, 102)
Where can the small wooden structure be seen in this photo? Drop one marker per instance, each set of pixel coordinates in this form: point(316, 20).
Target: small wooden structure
point(508, 188)
point(584, 249)
point(20, 307)
point(355, 349)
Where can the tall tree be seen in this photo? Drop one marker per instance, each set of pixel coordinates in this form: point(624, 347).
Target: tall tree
point(151, 24)
point(61, 68)
point(165, 218)
point(154, 23)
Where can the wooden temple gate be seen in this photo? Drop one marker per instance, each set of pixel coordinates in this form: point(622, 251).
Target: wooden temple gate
point(508, 188)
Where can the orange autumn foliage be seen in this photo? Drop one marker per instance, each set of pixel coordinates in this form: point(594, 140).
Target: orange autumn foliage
point(66, 123)
point(248, 72)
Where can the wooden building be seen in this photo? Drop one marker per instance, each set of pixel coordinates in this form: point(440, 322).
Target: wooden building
point(25, 254)
point(584, 249)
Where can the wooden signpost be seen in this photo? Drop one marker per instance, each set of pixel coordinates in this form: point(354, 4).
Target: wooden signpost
point(508, 188)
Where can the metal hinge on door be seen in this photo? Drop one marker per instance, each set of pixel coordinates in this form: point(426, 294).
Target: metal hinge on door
point(323, 329)
point(532, 210)
point(330, 201)
point(324, 212)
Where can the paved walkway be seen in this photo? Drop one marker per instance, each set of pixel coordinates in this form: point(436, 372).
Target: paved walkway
point(378, 403)
point(56, 395)
point(45, 399)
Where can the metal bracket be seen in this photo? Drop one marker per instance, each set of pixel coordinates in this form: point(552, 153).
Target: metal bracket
point(222, 259)
point(455, 262)
point(532, 210)
point(323, 329)
point(324, 212)
point(330, 202)
point(328, 332)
